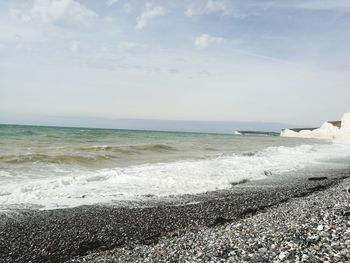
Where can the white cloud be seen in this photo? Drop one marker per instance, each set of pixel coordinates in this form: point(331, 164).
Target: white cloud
point(126, 45)
point(337, 5)
point(210, 6)
point(48, 11)
point(108, 19)
point(149, 13)
point(20, 33)
point(74, 46)
point(204, 41)
point(112, 2)
point(127, 8)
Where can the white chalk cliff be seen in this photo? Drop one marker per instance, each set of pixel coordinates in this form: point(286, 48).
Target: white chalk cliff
point(326, 131)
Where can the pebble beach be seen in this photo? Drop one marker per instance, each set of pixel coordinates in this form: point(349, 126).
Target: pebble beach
point(305, 218)
point(174, 131)
point(315, 228)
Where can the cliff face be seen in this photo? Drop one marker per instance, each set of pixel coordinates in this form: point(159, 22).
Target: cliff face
point(328, 130)
point(345, 127)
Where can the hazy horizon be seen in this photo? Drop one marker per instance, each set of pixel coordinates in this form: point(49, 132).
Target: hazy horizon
point(143, 124)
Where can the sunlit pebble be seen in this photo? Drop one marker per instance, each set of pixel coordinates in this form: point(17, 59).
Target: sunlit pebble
point(320, 227)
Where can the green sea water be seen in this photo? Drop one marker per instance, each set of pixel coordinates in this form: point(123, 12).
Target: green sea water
point(55, 166)
point(32, 149)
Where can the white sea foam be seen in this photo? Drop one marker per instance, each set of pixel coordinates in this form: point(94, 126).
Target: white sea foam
point(163, 179)
point(5, 174)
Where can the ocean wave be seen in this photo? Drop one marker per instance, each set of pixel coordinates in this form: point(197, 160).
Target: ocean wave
point(86, 155)
point(164, 179)
point(130, 148)
point(4, 174)
point(44, 158)
point(210, 149)
point(249, 154)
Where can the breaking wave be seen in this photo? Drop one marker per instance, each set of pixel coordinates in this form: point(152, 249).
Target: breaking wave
point(130, 148)
point(163, 179)
point(86, 155)
point(44, 158)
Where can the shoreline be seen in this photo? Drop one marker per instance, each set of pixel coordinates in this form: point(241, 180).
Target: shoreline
point(312, 228)
point(63, 234)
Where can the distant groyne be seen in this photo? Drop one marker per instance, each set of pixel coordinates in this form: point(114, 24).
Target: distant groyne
point(257, 133)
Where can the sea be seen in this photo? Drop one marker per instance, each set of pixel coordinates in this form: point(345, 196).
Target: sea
point(57, 167)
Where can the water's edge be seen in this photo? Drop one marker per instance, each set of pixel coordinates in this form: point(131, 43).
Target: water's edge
point(58, 235)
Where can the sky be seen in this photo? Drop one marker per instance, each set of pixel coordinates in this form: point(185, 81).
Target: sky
point(205, 60)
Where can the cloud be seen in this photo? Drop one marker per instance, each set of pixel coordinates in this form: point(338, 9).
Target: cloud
point(339, 5)
point(173, 70)
point(127, 8)
point(48, 11)
point(149, 13)
point(325, 5)
point(204, 41)
point(210, 6)
point(111, 2)
point(126, 45)
point(74, 46)
point(15, 33)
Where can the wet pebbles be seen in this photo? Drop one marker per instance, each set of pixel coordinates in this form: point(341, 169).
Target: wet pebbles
point(315, 228)
point(239, 224)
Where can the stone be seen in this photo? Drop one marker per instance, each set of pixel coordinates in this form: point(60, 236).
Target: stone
point(305, 257)
point(263, 250)
point(282, 255)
